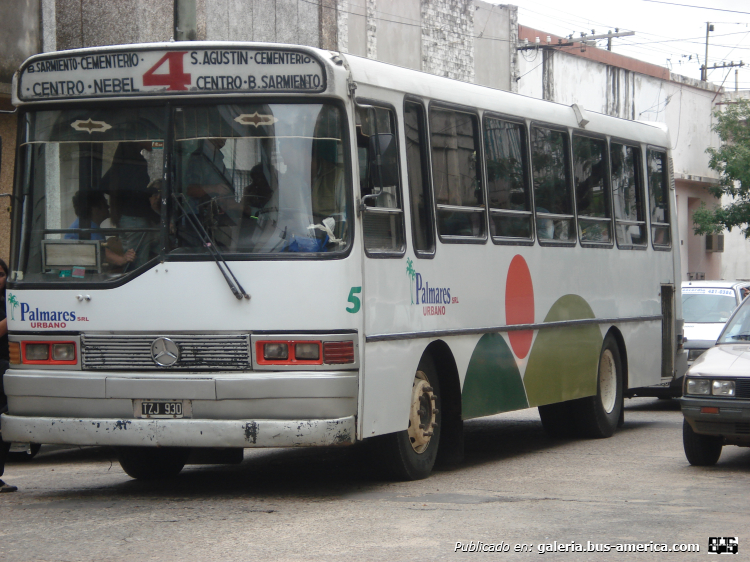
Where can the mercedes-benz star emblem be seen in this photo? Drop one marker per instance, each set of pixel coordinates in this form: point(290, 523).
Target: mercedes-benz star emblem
point(165, 352)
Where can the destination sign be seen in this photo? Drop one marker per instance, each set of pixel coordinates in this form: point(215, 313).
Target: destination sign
point(139, 72)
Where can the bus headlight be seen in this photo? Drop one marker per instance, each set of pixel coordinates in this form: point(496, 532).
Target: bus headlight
point(698, 386)
point(37, 352)
point(275, 351)
point(722, 388)
point(307, 351)
point(63, 352)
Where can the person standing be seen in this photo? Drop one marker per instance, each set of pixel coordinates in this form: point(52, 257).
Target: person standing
point(4, 364)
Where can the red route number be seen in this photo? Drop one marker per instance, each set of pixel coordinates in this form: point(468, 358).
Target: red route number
point(175, 79)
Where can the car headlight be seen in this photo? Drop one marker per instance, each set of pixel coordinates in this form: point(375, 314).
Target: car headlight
point(698, 386)
point(722, 388)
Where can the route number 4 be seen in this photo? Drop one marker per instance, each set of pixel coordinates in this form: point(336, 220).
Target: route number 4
point(175, 77)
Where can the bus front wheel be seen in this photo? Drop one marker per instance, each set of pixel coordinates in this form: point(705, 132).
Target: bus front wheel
point(152, 463)
point(410, 454)
point(599, 415)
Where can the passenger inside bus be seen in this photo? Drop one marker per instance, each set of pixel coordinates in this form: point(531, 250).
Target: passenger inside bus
point(127, 181)
point(94, 204)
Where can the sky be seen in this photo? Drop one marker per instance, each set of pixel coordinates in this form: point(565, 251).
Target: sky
point(670, 33)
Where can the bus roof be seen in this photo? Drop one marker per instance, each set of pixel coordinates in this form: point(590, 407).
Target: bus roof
point(231, 68)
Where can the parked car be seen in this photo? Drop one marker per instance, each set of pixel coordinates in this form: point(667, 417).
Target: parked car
point(716, 394)
point(706, 307)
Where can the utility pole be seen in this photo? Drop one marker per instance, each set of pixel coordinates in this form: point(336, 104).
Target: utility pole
point(704, 68)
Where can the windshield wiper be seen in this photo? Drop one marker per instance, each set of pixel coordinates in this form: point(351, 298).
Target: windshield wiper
point(205, 239)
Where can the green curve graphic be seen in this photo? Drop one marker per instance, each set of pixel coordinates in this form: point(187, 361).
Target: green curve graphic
point(563, 362)
point(493, 381)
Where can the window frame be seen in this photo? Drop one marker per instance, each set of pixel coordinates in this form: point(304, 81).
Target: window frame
point(608, 188)
point(668, 187)
point(640, 186)
point(379, 104)
point(426, 164)
point(571, 192)
point(449, 239)
point(507, 240)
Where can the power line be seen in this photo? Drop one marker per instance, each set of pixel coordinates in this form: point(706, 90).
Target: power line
point(699, 7)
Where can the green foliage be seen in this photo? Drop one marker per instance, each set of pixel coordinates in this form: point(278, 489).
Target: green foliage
point(732, 161)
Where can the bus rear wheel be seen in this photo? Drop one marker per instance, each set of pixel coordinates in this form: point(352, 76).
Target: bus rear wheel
point(410, 454)
point(152, 463)
point(599, 415)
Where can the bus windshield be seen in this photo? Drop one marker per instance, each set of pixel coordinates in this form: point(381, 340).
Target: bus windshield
point(106, 192)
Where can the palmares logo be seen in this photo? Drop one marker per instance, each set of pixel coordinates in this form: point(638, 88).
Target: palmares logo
point(41, 318)
point(433, 299)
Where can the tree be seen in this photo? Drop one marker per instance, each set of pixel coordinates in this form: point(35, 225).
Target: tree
point(732, 161)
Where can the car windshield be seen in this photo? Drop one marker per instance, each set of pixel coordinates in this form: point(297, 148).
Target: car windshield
point(738, 328)
point(707, 305)
point(248, 180)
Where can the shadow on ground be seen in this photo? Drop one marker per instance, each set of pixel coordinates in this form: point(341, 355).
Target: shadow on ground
point(315, 472)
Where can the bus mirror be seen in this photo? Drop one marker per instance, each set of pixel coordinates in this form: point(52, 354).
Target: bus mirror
point(383, 161)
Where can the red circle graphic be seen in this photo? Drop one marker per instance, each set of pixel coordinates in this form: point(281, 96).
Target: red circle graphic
point(519, 305)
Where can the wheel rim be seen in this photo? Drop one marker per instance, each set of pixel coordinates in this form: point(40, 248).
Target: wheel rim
point(608, 381)
point(422, 413)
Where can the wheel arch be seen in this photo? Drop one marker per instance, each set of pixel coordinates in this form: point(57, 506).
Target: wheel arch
point(451, 446)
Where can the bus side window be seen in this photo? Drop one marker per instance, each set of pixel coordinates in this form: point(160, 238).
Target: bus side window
point(417, 167)
point(551, 173)
point(507, 180)
point(627, 193)
point(380, 189)
point(456, 174)
point(592, 190)
point(658, 190)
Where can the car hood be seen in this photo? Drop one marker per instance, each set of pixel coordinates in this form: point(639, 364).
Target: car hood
point(701, 331)
point(724, 360)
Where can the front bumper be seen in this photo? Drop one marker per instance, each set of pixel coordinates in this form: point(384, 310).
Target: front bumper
point(178, 433)
point(246, 409)
point(731, 422)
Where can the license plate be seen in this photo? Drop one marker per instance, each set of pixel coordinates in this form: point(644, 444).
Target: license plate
point(161, 408)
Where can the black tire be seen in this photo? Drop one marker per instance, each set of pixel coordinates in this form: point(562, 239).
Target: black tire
point(558, 420)
point(395, 453)
point(152, 463)
point(700, 450)
point(26, 456)
point(595, 419)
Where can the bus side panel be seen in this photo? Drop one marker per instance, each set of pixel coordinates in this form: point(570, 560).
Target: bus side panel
point(389, 375)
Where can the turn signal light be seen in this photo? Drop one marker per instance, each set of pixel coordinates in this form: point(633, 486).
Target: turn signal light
point(709, 410)
point(15, 352)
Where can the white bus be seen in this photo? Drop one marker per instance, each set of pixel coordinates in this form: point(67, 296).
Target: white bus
point(234, 245)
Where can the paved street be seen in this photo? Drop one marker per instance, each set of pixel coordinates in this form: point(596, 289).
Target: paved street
point(516, 486)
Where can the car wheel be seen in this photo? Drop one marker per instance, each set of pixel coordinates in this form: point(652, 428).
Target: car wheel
point(410, 454)
point(598, 416)
point(700, 450)
point(152, 463)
